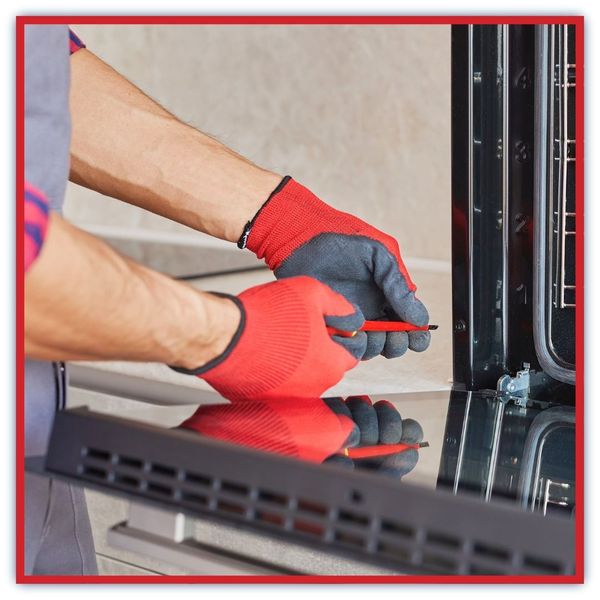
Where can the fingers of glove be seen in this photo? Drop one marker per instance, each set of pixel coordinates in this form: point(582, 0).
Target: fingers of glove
point(418, 341)
point(403, 301)
point(375, 344)
point(349, 322)
point(340, 460)
point(409, 308)
point(338, 406)
point(355, 345)
point(396, 344)
point(389, 422)
point(412, 432)
point(371, 464)
point(399, 465)
point(338, 311)
point(364, 415)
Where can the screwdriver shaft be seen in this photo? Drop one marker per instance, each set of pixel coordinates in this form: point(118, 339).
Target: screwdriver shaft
point(386, 326)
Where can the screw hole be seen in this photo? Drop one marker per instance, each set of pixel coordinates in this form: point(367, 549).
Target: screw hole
point(356, 496)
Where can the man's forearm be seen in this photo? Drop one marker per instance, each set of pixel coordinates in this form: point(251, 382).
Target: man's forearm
point(127, 146)
point(84, 301)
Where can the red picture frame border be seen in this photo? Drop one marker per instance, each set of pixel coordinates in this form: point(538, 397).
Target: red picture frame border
point(22, 21)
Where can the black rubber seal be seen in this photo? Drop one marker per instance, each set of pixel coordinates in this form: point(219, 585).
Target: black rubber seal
point(241, 243)
point(211, 364)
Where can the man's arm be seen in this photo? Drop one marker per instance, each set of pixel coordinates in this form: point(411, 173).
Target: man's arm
point(127, 146)
point(84, 301)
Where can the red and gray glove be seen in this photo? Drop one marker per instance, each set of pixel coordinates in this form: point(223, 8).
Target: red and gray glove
point(317, 430)
point(282, 347)
point(305, 429)
point(378, 426)
point(298, 234)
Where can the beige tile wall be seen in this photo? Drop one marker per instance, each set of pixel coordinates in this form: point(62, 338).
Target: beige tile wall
point(360, 114)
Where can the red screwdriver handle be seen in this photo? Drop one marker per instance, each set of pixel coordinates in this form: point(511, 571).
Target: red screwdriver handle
point(381, 326)
point(392, 326)
point(382, 450)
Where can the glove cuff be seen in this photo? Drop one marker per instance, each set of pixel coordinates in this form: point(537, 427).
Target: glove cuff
point(211, 364)
point(292, 216)
point(241, 243)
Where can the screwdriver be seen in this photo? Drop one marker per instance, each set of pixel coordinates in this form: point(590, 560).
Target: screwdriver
point(382, 450)
point(386, 326)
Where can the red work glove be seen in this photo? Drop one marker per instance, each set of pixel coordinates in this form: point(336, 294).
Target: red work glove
point(282, 348)
point(315, 430)
point(305, 429)
point(298, 234)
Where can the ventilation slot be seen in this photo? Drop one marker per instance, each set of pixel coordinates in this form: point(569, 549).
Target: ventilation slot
point(230, 507)
point(477, 569)
point(535, 563)
point(93, 472)
point(269, 518)
point(126, 480)
point(128, 461)
point(349, 539)
point(309, 527)
point(234, 488)
point(194, 499)
point(163, 470)
point(312, 508)
point(441, 539)
point(158, 489)
point(393, 551)
point(438, 563)
point(492, 552)
point(97, 454)
point(346, 516)
point(197, 479)
point(397, 529)
point(272, 498)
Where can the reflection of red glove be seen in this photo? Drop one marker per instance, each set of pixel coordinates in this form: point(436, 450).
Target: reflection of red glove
point(317, 430)
point(379, 425)
point(282, 347)
point(306, 429)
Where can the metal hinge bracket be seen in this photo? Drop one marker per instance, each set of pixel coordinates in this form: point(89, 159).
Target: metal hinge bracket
point(515, 388)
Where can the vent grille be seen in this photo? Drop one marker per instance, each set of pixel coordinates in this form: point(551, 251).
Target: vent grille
point(391, 542)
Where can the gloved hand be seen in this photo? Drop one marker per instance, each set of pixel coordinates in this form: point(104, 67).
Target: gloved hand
point(377, 424)
point(282, 347)
point(298, 234)
point(314, 429)
point(306, 429)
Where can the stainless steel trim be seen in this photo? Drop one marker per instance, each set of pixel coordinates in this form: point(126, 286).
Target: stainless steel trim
point(470, 193)
point(461, 448)
point(564, 141)
point(498, 418)
point(505, 187)
point(543, 173)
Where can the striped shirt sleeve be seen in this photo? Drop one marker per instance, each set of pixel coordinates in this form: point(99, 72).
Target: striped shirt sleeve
point(35, 222)
point(74, 42)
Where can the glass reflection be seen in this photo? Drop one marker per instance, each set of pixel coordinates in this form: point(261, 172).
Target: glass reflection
point(468, 443)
